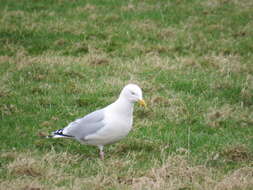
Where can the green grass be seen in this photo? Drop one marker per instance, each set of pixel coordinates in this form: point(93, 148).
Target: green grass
point(60, 60)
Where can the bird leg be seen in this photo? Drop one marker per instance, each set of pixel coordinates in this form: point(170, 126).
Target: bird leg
point(101, 152)
point(102, 155)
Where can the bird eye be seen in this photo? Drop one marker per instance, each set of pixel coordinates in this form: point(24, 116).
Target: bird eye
point(132, 93)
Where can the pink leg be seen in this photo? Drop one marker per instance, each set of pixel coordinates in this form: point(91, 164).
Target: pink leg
point(101, 152)
point(102, 155)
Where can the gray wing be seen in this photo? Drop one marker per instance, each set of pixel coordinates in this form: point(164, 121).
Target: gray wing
point(87, 125)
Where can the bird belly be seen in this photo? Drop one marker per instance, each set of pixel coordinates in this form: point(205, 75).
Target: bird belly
point(109, 134)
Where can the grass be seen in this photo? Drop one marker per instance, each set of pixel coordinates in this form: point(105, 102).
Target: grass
point(60, 60)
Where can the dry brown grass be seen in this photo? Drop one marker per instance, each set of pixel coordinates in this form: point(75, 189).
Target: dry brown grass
point(237, 153)
point(49, 171)
point(30, 23)
point(87, 7)
point(238, 179)
point(61, 25)
point(145, 27)
point(8, 109)
point(4, 91)
point(98, 59)
point(94, 57)
point(227, 64)
point(139, 7)
point(215, 116)
point(223, 64)
point(173, 107)
point(31, 172)
point(217, 3)
point(22, 184)
point(167, 33)
point(177, 173)
point(153, 60)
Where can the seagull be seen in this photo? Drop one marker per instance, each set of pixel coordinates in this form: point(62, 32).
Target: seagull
point(107, 125)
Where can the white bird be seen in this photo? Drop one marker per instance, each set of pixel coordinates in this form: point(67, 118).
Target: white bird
point(107, 125)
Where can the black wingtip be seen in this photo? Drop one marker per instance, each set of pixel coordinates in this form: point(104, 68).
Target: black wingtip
point(60, 132)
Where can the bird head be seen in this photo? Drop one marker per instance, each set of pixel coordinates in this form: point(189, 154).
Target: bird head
point(133, 93)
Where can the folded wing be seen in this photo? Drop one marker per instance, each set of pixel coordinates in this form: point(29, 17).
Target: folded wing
point(85, 126)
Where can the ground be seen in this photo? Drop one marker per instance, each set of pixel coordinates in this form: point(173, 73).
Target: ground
point(61, 59)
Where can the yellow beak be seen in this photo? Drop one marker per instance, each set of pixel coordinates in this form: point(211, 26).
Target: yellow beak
point(142, 103)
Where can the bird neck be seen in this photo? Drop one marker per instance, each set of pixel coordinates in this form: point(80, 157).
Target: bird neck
point(122, 105)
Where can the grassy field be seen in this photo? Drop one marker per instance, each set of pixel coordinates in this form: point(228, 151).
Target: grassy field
point(61, 59)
